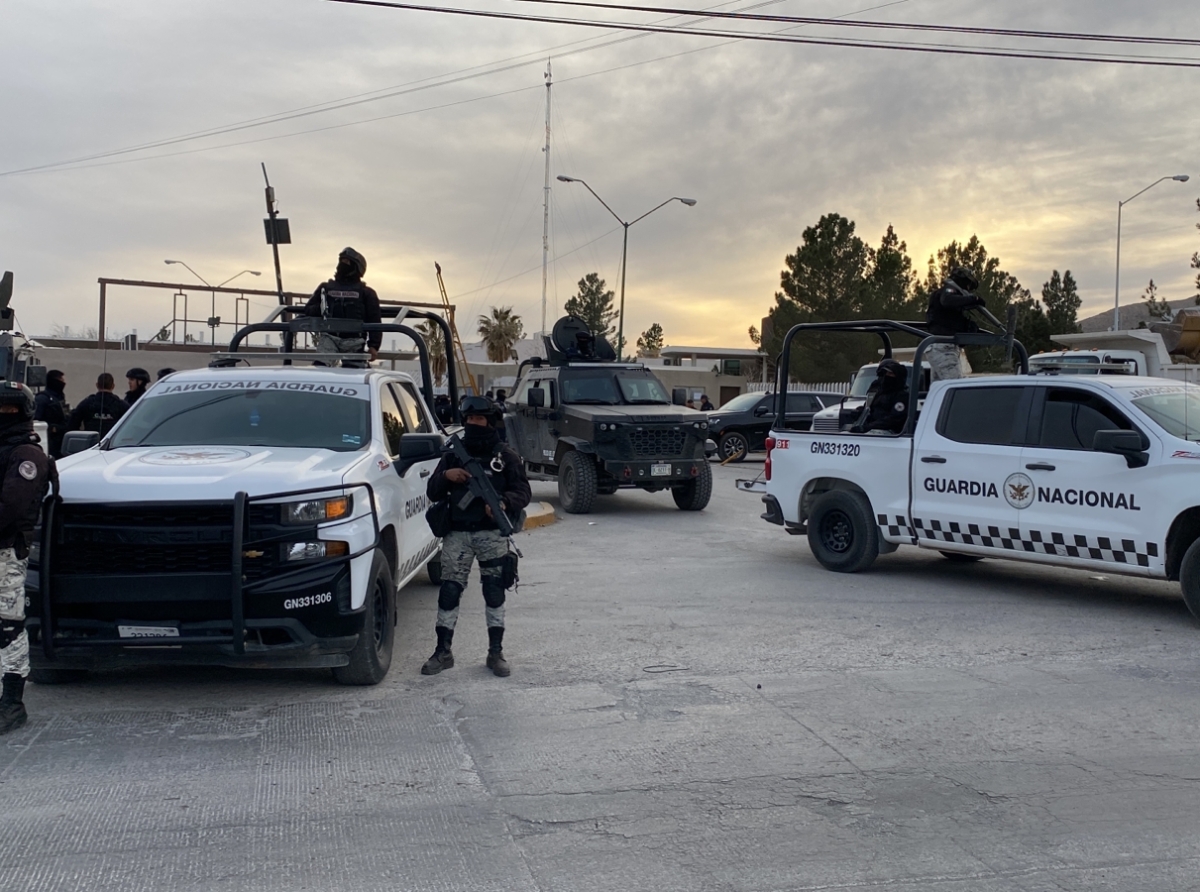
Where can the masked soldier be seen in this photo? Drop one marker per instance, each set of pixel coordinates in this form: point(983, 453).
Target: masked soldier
point(946, 315)
point(887, 401)
point(26, 477)
point(347, 296)
point(474, 534)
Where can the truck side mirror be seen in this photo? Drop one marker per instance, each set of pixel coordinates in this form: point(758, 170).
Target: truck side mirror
point(1126, 443)
point(763, 411)
point(679, 396)
point(78, 441)
point(536, 397)
point(416, 448)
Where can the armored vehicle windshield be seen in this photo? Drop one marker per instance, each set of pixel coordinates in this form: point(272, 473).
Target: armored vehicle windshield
point(612, 387)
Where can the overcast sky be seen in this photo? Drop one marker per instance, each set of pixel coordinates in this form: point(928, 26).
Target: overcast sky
point(1033, 156)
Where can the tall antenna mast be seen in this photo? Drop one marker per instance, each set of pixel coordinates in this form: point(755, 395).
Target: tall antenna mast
point(546, 200)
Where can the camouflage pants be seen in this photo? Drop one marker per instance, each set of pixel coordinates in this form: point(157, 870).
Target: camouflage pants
point(459, 550)
point(944, 362)
point(327, 343)
point(14, 640)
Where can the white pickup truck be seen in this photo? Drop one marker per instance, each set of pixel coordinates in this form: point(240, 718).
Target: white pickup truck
point(1098, 473)
point(240, 516)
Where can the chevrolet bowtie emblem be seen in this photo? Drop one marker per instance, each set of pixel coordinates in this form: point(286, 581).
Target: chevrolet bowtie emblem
point(252, 554)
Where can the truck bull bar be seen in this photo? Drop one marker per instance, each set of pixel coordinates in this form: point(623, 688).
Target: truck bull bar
point(238, 586)
point(884, 328)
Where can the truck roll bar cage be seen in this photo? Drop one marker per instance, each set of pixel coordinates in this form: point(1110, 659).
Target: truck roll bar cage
point(884, 328)
point(300, 324)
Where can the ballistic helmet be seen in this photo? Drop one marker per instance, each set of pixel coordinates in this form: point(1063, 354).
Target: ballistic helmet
point(889, 368)
point(965, 279)
point(138, 375)
point(355, 260)
point(480, 405)
point(14, 393)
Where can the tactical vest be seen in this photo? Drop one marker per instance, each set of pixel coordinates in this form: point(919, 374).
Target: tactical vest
point(343, 300)
point(945, 320)
point(29, 518)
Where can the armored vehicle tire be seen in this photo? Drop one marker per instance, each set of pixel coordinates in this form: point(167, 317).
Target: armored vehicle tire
point(372, 655)
point(955, 558)
point(842, 532)
point(50, 675)
point(1189, 578)
point(694, 495)
point(577, 483)
point(733, 446)
point(434, 569)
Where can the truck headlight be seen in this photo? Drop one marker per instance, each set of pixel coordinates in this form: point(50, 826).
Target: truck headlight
point(310, 551)
point(318, 510)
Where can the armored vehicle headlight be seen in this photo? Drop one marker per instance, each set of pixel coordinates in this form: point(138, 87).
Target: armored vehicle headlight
point(318, 510)
point(308, 551)
point(603, 426)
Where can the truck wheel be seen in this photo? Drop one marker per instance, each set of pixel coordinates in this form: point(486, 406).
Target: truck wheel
point(694, 495)
point(577, 483)
point(733, 447)
point(842, 532)
point(48, 675)
point(372, 655)
point(1189, 578)
point(434, 569)
point(956, 558)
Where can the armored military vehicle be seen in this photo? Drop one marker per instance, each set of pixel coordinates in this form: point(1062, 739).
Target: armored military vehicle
point(597, 425)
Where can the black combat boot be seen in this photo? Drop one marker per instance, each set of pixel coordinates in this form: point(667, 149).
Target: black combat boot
point(12, 709)
point(495, 657)
point(442, 657)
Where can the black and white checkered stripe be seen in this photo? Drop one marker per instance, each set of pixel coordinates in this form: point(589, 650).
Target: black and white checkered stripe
point(899, 528)
point(1102, 548)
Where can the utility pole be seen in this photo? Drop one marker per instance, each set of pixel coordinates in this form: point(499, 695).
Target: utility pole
point(546, 201)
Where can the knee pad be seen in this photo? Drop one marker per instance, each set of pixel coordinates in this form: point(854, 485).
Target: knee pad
point(10, 631)
point(493, 591)
point(449, 596)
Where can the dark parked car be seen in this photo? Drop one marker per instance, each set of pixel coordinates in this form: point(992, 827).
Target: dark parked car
point(742, 424)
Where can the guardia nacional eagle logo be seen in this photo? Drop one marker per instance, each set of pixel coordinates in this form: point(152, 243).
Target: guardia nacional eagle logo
point(1019, 491)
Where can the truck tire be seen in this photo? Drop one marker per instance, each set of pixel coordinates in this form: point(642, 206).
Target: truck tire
point(51, 675)
point(733, 446)
point(842, 532)
point(1189, 578)
point(434, 569)
point(372, 654)
point(694, 495)
point(577, 483)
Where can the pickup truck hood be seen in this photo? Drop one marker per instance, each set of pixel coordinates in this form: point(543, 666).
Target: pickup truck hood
point(198, 473)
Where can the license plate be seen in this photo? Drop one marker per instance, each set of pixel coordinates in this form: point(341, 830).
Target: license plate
point(660, 470)
point(148, 631)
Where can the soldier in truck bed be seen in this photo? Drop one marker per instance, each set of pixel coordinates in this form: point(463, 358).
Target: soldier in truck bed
point(347, 296)
point(474, 534)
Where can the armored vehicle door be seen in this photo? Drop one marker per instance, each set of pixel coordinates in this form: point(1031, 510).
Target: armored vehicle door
point(519, 423)
point(549, 420)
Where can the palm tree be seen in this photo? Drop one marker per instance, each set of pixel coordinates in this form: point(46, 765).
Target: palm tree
point(500, 332)
point(436, 345)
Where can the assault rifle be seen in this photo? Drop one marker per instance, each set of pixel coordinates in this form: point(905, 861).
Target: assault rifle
point(479, 486)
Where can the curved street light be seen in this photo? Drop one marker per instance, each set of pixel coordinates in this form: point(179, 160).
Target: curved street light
point(690, 202)
point(189, 269)
point(1179, 178)
point(252, 272)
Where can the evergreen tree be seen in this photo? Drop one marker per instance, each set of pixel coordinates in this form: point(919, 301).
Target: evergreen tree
point(651, 342)
point(1061, 298)
point(1159, 310)
point(593, 304)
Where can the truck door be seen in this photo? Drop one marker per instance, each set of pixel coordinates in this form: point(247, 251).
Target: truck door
point(519, 423)
point(966, 469)
point(403, 414)
point(1085, 504)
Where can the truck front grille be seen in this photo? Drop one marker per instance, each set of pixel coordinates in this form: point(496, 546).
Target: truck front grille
point(666, 443)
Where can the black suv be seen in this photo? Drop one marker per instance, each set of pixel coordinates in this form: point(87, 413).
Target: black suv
point(597, 425)
point(742, 424)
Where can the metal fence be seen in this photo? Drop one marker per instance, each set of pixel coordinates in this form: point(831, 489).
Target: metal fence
point(826, 387)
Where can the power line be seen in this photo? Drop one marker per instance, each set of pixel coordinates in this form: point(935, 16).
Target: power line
point(896, 46)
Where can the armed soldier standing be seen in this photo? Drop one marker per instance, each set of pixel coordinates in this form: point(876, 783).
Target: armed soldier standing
point(26, 477)
point(947, 316)
point(474, 533)
point(347, 296)
point(52, 408)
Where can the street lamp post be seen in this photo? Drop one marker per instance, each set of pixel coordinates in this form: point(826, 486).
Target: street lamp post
point(252, 272)
point(214, 319)
point(690, 202)
point(1179, 178)
point(189, 269)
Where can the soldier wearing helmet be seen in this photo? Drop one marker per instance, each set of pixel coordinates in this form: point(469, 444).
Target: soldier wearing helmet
point(138, 380)
point(347, 296)
point(25, 476)
point(886, 408)
point(474, 534)
point(946, 315)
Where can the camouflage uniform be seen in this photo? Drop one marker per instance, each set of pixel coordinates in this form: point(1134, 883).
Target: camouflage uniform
point(459, 550)
point(14, 640)
point(327, 343)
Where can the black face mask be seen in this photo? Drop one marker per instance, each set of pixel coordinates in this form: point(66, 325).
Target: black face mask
point(346, 270)
point(14, 427)
point(57, 385)
point(479, 440)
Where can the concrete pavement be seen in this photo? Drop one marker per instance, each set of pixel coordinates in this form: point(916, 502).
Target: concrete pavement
point(695, 705)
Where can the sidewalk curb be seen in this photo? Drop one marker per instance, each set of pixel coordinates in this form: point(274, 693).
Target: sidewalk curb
point(539, 514)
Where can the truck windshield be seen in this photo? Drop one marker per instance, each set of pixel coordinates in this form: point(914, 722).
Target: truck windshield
point(1175, 409)
point(248, 418)
point(604, 387)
